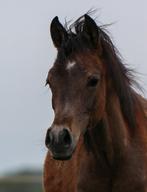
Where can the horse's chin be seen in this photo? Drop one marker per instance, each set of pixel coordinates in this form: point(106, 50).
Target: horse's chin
point(62, 158)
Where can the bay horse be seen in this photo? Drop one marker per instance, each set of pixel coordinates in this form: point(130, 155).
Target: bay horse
point(98, 139)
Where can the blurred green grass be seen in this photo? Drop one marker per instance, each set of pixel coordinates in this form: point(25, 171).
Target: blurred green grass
point(22, 181)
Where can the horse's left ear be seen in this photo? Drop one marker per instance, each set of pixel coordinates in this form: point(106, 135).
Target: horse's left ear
point(91, 29)
point(58, 32)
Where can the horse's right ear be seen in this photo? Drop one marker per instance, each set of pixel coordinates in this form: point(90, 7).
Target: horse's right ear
point(58, 32)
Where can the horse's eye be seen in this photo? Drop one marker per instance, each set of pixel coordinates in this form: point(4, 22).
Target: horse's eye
point(93, 81)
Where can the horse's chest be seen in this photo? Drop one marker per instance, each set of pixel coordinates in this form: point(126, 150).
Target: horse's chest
point(93, 178)
point(97, 177)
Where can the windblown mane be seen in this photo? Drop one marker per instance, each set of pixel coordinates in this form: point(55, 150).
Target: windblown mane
point(122, 77)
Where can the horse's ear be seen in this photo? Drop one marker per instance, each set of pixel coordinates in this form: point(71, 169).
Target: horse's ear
point(91, 29)
point(58, 32)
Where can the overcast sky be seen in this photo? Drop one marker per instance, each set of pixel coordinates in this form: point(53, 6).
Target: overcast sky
point(26, 54)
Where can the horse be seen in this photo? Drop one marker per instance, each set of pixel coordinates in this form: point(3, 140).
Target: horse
point(98, 139)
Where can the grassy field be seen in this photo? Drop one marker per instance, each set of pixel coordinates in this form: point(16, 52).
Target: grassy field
point(24, 181)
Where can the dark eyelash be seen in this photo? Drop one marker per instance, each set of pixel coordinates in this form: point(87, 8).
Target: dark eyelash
point(46, 83)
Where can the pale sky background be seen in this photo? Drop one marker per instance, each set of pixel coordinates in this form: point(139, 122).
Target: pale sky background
point(27, 52)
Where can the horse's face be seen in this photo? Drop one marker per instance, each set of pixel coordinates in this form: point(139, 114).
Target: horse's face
point(78, 97)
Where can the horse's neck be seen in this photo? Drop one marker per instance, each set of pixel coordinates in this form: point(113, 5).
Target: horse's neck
point(111, 138)
point(113, 149)
point(117, 129)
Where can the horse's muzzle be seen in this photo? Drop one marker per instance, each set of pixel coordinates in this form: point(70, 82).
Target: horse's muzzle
point(60, 143)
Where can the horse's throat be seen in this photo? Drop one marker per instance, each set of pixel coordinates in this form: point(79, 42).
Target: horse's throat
point(98, 142)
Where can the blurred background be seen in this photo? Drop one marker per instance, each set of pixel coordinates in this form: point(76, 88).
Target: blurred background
point(27, 53)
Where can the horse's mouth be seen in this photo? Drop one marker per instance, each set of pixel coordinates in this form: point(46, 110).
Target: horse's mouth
point(62, 157)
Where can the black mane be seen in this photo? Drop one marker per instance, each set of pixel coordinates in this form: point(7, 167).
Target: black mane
point(122, 78)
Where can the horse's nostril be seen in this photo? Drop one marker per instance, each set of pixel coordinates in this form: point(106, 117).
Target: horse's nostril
point(48, 138)
point(58, 139)
point(66, 137)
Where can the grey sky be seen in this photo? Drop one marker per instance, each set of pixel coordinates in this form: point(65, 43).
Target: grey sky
point(26, 53)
